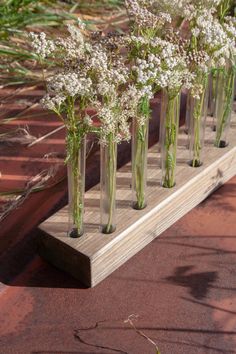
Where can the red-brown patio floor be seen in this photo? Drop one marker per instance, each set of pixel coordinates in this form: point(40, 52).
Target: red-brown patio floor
point(183, 287)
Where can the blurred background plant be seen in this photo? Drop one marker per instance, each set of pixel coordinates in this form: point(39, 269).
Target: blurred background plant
point(17, 64)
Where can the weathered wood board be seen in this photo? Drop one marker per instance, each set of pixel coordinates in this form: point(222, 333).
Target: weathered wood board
point(94, 256)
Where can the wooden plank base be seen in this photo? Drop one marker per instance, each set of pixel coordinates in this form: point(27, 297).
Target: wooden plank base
point(94, 256)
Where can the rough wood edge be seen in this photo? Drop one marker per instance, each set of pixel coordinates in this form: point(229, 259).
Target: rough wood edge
point(65, 258)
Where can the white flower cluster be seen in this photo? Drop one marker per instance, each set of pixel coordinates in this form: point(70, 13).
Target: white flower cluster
point(217, 39)
point(230, 27)
point(69, 48)
point(146, 71)
point(107, 74)
point(109, 80)
point(212, 41)
point(73, 47)
point(64, 85)
point(130, 100)
point(186, 8)
point(165, 17)
point(197, 90)
point(228, 50)
point(114, 122)
point(142, 16)
point(90, 74)
point(198, 60)
point(169, 7)
point(174, 80)
point(99, 60)
point(73, 80)
point(41, 45)
point(94, 67)
point(211, 31)
point(114, 115)
point(165, 66)
point(70, 84)
point(53, 103)
point(159, 59)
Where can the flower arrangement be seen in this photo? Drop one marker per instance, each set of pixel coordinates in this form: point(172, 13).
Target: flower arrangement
point(90, 73)
point(172, 45)
point(69, 91)
point(143, 73)
point(160, 64)
point(210, 35)
point(110, 74)
point(206, 46)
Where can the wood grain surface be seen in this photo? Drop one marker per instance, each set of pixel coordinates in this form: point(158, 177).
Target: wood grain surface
point(94, 256)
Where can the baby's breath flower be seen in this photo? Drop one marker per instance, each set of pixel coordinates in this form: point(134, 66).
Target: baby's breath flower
point(70, 84)
point(143, 17)
point(41, 45)
point(52, 103)
point(75, 34)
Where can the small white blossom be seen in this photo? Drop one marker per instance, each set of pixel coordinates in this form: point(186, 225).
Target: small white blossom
point(42, 46)
point(52, 103)
point(70, 84)
point(195, 31)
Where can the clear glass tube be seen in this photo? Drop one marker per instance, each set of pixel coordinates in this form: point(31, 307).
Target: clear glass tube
point(187, 114)
point(198, 114)
point(170, 112)
point(76, 186)
point(224, 102)
point(108, 185)
point(139, 163)
point(212, 96)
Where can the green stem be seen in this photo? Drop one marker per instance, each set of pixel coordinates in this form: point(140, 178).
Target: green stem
point(140, 164)
point(171, 125)
point(226, 90)
point(212, 94)
point(74, 151)
point(77, 192)
point(198, 113)
point(224, 9)
point(111, 182)
point(140, 146)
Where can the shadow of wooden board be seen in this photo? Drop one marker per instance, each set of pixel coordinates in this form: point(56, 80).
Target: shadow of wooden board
point(94, 256)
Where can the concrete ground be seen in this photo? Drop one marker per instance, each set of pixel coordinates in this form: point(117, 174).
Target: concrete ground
point(182, 286)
